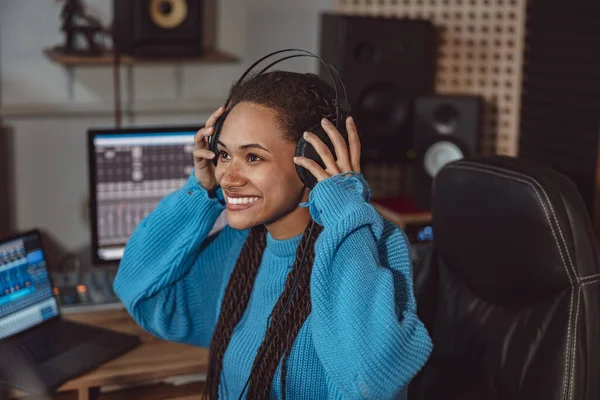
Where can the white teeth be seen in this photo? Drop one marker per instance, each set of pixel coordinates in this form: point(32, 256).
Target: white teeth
point(241, 200)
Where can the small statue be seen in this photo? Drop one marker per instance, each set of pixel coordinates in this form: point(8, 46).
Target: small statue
point(75, 22)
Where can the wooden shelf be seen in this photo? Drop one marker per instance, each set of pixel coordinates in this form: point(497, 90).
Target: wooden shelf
point(68, 60)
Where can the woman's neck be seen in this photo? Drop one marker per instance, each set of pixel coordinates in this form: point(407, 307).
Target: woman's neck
point(291, 224)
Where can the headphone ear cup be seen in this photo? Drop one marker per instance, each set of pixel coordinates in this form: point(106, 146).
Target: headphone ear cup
point(305, 149)
point(214, 138)
point(305, 176)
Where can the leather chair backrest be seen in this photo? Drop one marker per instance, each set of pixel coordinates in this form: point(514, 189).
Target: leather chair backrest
point(510, 292)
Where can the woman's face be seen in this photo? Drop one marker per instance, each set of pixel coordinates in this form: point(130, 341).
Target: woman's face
point(256, 170)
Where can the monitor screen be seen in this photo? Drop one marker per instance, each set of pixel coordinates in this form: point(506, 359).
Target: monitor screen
point(131, 170)
point(26, 297)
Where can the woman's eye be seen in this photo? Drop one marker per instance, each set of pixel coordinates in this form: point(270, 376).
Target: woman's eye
point(223, 154)
point(253, 158)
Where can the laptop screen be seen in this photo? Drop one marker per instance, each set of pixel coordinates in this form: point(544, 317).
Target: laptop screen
point(26, 297)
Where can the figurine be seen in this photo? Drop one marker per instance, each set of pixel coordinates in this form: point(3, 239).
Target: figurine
point(75, 22)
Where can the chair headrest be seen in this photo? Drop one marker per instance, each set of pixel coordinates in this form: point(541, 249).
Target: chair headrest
point(511, 230)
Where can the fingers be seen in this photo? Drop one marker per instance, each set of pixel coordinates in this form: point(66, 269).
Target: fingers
point(353, 144)
point(339, 145)
point(312, 167)
point(323, 151)
point(208, 129)
point(200, 136)
point(200, 154)
point(213, 117)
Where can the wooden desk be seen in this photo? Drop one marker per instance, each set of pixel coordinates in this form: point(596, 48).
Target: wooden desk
point(402, 219)
point(152, 359)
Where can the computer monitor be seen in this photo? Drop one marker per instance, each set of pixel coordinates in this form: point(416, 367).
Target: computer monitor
point(131, 170)
point(26, 297)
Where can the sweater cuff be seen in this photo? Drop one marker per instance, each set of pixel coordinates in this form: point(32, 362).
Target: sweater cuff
point(335, 198)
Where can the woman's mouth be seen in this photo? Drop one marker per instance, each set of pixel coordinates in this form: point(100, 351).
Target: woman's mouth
point(240, 203)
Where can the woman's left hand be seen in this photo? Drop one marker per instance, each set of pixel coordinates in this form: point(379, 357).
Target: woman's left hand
point(348, 158)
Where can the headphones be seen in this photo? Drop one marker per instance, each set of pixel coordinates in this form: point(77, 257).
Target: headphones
point(303, 148)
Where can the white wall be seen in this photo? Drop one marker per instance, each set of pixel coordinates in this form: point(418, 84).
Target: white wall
point(49, 111)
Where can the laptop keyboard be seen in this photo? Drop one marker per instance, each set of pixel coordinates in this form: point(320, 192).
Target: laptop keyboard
point(55, 339)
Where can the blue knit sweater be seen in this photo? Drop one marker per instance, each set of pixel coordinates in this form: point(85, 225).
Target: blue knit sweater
point(362, 340)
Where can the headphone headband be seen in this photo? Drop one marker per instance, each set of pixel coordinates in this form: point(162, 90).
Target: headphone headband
point(333, 73)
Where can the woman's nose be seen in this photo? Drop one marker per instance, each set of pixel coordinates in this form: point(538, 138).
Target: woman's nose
point(232, 176)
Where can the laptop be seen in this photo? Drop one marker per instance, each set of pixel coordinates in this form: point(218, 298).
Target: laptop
point(39, 350)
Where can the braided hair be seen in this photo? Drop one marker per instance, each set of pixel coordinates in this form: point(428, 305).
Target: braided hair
point(300, 102)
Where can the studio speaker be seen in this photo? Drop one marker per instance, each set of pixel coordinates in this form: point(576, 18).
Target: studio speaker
point(385, 63)
point(164, 28)
point(446, 128)
point(560, 104)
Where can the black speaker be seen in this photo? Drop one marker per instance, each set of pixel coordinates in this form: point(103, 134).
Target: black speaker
point(385, 63)
point(446, 128)
point(159, 28)
point(560, 105)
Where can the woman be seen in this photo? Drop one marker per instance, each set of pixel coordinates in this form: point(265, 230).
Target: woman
point(349, 330)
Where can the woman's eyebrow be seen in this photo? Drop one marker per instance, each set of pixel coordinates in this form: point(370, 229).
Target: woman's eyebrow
point(246, 146)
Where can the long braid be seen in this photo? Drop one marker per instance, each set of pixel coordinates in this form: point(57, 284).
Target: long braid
point(235, 300)
point(303, 311)
point(285, 332)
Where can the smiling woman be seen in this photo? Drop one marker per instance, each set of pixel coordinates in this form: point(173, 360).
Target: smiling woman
point(307, 293)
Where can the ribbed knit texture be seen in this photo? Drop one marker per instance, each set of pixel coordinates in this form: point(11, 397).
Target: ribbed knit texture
point(362, 340)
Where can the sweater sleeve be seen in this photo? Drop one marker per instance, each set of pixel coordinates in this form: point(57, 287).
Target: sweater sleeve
point(172, 271)
point(364, 321)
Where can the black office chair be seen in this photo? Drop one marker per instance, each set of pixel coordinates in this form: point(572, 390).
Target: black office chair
point(510, 292)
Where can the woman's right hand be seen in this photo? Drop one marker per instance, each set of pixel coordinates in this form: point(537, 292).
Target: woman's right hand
point(204, 170)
